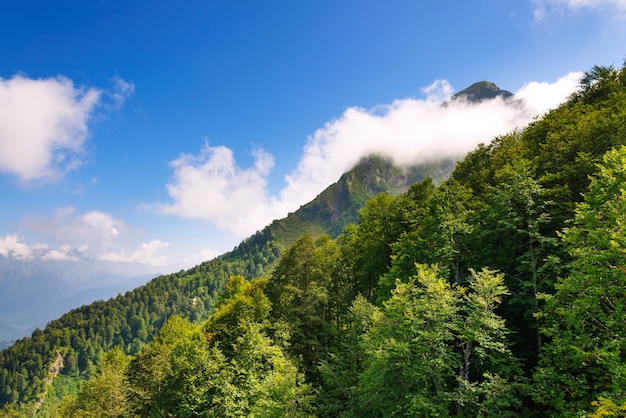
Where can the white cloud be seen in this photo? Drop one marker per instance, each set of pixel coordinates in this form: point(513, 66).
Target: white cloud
point(204, 255)
point(63, 253)
point(544, 96)
point(43, 125)
point(10, 246)
point(439, 91)
point(145, 254)
point(212, 187)
point(93, 234)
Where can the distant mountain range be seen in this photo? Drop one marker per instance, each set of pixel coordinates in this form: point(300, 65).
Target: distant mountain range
point(34, 292)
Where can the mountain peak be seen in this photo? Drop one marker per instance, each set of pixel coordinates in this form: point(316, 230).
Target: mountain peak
point(482, 90)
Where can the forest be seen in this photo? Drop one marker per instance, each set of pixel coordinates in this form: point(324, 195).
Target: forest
point(500, 291)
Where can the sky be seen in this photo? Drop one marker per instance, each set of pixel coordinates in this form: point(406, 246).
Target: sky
point(163, 133)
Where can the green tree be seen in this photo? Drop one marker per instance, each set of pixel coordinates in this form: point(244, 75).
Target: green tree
point(584, 319)
point(228, 367)
point(517, 213)
point(299, 291)
point(411, 362)
point(490, 378)
point(436, 349)
point(259, 380)
point(105, 395)
point(367, 248)
point(240, 303)
point(338, 394)
point(172, 375)
point(438, 235)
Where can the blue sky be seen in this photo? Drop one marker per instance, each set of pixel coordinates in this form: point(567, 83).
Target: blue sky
point(164, 132)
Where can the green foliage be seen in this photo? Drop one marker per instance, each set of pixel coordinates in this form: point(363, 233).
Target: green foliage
point(227, 367)
point(437, 349)
point(349, 320)
point(367, 249)
point(242, 302)
point(299, 290)
point(585, 317)
point(128, 321)
point(185, 372)
point(340, 371)
point(410, 357)
point(518, 212)
point(105, 393)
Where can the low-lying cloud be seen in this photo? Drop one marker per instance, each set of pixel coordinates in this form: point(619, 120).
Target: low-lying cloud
point(213, 187)
point(72, 236)
point(44, 124)
point(10, 246)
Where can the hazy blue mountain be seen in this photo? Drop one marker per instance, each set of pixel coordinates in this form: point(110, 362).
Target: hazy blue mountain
point(34, 292)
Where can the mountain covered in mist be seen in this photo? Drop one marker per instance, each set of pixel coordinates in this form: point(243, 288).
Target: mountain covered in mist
point(339, 204)
point(480, 91)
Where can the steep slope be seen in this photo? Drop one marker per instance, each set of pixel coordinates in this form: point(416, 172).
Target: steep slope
point(132, 319)
point(339, 204)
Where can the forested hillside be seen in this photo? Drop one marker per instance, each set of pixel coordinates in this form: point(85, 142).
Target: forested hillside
point(80, 337)
point(499, 292)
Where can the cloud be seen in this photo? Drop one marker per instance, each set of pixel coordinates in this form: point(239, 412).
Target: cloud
point(121, 91)
point(616, 8)
point(10, 246)
point(74, 235)
point(145, 254)
point(439, 91)
point(543, 96)
point(63, 253)
point(212, 187)
point(44, 124)
point(204, 255)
